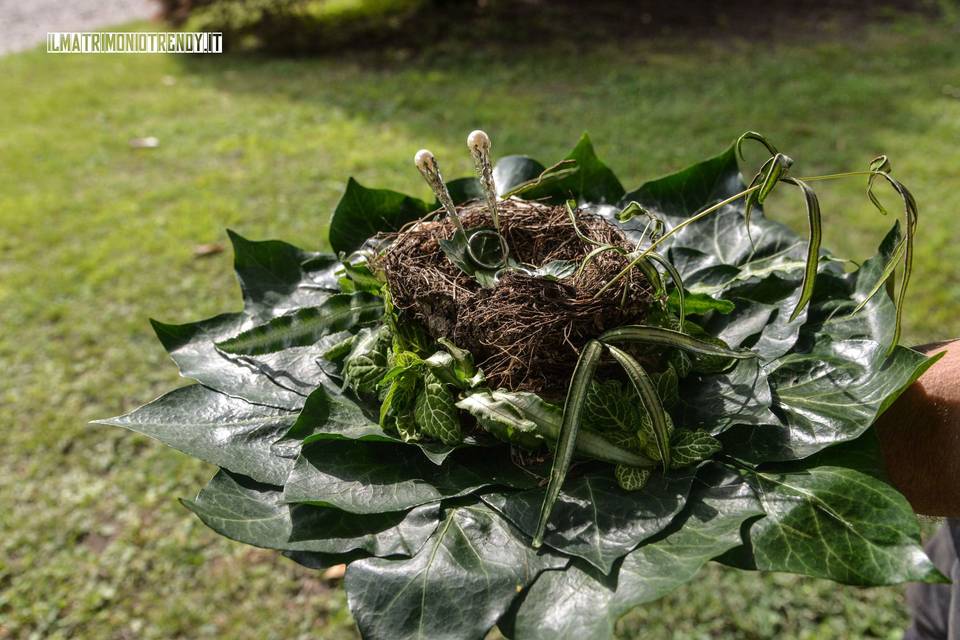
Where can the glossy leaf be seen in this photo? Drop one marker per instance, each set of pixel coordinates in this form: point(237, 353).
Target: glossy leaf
point(340, 312)
point(594, 519)
point(371, 477)
point(362, 213)
point(512, 171)
point(458, 586)
point(327, 415)
point(276, 277)
point(837, 523)
point(216, 428)
point(582, 602)
point(282, 379)
point(592, 182)
point(569, 428)
point(831, 394)
point(253, 513)
point(716, 402)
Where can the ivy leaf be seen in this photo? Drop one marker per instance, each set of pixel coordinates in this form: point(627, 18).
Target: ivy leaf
point(362, 213)
point(373, 477)
point(216, 428)
point(679, 195)
point(276, 277)
point(340, 312)
point(462, 190)
point(829, 395)
point(282, 379)
point(715, 402)
point(331, 416)
point(837, 296)
point(512, 171)
point(837, 523)
point(582, 602)
point(474, 549)
point(254, 513)
point(594, 519)
point(436, 412)
point(592, 182)
point(691, 447)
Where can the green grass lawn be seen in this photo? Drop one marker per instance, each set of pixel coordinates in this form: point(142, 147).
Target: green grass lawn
point(97, 237)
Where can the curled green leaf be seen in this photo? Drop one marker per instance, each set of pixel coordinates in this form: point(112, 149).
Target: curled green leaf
point(340, 312)
point(813, 245)
point(566, 439)
point(670, 338)
point(650, 399)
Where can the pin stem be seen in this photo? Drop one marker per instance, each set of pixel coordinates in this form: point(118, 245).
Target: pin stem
point(430, 170)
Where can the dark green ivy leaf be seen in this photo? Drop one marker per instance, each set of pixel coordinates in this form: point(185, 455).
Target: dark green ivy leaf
point(581, 602)
point(831, 394)
point(715, 402)
point(362, 213)
point(372, 477)
point(594, 518)
point(512, 171)
point(331, 416)
point(458, 586)
point(253, 513)
point(303, 327)
point(216, 428)
point(282, 379)
point(679, 195)
point(276, 277)
point(592, 182)
point(837, 523)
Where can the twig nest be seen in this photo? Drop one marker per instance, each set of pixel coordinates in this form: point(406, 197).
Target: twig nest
point(526, 332)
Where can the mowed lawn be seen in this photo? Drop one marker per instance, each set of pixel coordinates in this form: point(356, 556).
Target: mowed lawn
point(98, 236)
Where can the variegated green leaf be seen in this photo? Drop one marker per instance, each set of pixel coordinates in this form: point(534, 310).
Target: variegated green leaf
point(306, 326)
point(436, 411)
point(691, 447)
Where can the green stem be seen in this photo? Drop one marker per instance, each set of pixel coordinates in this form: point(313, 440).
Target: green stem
point(837, 176)
point(677, 228)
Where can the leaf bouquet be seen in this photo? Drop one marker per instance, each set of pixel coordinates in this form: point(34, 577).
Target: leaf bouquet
point(542, 400)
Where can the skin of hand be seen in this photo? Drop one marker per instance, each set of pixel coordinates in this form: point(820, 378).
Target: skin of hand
point(920, 436)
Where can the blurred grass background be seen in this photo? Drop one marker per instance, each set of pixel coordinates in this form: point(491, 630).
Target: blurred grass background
point(98, 236)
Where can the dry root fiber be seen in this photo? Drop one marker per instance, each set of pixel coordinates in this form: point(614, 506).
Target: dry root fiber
point(526, 332)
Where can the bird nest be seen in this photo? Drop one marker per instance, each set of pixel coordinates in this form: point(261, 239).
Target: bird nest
point(525, 332)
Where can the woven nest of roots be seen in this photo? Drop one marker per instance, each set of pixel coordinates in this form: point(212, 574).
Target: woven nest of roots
point(526, 332)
